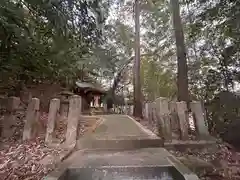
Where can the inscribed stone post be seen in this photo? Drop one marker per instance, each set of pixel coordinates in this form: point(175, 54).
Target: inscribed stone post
point(64, 106)
point(124, 109)
point(52, 116)
point(31, 118)
point(174, 116)
point(154, 113)
point(105, 108)
point(164, 118)
point(114, 108)
point(73, 118)
point(25, 96)
point(3, 103)
point(131, 110)
point(204, 111)
point(198, 116)
point(10, 118)
point(150, 113)
point(128, 110)
point(146, 111)
point(183, 119)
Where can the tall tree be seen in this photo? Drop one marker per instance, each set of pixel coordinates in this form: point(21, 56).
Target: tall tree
point(137, 112)
point(182, 77)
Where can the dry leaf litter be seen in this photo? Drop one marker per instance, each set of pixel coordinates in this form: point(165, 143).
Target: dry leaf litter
point(223, 158)
point(31, 160)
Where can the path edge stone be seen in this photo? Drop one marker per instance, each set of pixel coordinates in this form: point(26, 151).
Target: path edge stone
point(145, 130)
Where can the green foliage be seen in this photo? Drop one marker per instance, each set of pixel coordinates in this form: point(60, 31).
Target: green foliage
point(46, 40)
point(223, 110)
point(156, 81)
point(61, 41)
point(212, 32)
point(216, 27)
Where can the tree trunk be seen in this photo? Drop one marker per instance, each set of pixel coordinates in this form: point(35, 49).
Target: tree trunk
point(182, 76)
point(137, 111)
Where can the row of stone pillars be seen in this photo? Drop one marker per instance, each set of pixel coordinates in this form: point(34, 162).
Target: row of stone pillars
point(173, 117)
point(32, 118)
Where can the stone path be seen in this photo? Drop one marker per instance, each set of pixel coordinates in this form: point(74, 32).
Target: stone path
point(122, 127)
point(119, 141)
point(119, 132)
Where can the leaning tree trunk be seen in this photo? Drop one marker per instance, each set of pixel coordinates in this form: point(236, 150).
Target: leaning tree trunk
point(137, 111)
point(182, 77)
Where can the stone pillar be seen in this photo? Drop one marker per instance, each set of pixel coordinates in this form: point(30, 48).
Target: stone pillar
point(149, 112)
point(183, 119)
point(3, 103)
point(131, 110)
point(105, 108)
point(154, 113)
point(146, 111)
point(204, 112)
point(174, 116)
point(96, 101)
point(32, 117)
point(25, 97)
point(52, 116)
point(198, 116)
point(164, 124)
point(64, 106)
point(72, 121)
point(113, 108)
point(9, 120)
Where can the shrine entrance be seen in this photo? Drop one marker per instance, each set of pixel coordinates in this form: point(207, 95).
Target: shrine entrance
point(92, 96)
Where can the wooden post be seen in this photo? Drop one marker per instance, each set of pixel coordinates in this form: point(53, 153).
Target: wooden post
point(31, 118)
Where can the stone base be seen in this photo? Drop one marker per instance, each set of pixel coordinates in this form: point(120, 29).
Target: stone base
point(141, 161)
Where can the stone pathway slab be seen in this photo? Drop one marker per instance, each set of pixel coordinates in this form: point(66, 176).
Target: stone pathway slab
point(119, 141)
point(121, 127)
point(119, 132)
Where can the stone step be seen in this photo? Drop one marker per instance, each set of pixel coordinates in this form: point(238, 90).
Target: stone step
point(120, 144)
